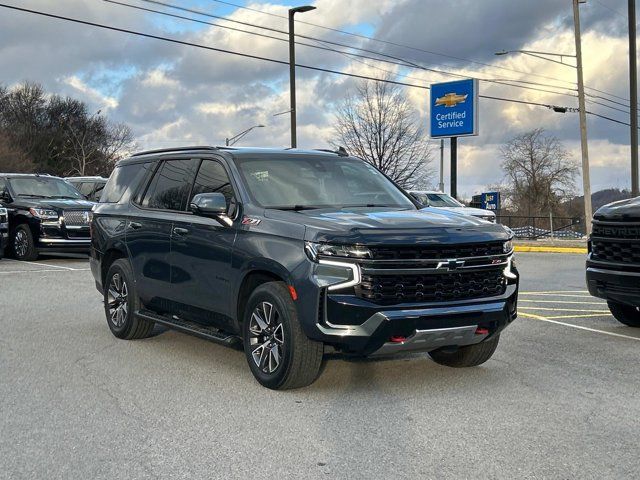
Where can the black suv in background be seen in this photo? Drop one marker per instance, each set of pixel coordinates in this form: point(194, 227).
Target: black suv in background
point(613, 264)
point(46, 214)
point(289, 252)
point(4, 230)
point(90, 187)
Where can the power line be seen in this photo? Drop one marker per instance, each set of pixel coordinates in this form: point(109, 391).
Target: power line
point(387, 42)
point(394, 61)
point(257, 57)
point(429, 51)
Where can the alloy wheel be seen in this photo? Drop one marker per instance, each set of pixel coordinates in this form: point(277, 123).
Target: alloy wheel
point(21, 243)
point(266, 337)
point(117, 300)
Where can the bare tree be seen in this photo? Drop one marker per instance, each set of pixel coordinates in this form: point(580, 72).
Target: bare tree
point(539, 172)
point(379, 125)
point(13, 159)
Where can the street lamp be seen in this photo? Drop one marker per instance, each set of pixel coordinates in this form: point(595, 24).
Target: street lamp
point(586, 181)
point(292, 69)
point(233, 140)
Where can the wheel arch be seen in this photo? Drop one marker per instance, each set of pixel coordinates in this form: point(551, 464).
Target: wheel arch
point(252, 280)
point(108, 258)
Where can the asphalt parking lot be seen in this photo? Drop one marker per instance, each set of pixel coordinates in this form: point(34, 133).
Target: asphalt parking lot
point(559, 399)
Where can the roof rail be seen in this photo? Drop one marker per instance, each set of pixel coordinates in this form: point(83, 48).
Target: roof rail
point(175, 149)
point(340, 151)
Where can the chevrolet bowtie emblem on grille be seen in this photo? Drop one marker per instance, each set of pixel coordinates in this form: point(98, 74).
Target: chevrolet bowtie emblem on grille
point(451, 99)
point(85, 217)
point(450, 264)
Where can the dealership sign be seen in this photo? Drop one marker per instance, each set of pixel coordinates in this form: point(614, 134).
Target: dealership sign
point(454, 108)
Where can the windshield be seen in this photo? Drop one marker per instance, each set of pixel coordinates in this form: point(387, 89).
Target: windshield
point(439, 200)
point(308, 182)
point(44, 187)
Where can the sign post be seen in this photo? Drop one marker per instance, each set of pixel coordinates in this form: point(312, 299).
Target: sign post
point(454, 113)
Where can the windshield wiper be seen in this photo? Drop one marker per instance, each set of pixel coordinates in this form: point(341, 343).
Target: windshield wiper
point(66, 196)
point(369, 205)
point(32, 196)
point(295, 208)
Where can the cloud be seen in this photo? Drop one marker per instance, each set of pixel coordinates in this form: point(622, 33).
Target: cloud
point(171, 94)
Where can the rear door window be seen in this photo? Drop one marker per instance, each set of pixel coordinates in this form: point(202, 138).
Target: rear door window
point(170, 185)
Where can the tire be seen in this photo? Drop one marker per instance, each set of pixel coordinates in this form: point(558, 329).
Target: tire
point(22, 245)
point(627, 314)
point(467, 356)
point(278, 352)
point(121, 301)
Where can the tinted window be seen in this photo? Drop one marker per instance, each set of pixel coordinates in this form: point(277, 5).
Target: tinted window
point(121, 178)
point(170, 185)
point(211, 178)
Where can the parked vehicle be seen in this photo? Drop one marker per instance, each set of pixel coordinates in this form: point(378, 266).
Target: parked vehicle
point(4, 230)
point(90, 187)
point(46, 214)
point(613, 264)
point(447, 202)
point(289, 252)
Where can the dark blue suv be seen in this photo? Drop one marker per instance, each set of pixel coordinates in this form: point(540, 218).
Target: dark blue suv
point(291, 253)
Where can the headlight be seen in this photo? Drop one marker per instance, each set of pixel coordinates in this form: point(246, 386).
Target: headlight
point(44, 214)
point(507, 247)
point(315, 250)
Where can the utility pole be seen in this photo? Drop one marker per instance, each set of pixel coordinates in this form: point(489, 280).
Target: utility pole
point(292, 69)
point(441, 184)
point(586, 180)
point(633, 85)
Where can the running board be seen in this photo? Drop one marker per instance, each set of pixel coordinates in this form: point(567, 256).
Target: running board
point(208, 333)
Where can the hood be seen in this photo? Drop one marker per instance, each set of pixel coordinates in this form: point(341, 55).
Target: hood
point(53, 203)
point(476, 212)
point(370, 226)
point(621, 210)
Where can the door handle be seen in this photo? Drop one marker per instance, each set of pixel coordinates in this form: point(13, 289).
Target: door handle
point(135, 225)
point(180, 231)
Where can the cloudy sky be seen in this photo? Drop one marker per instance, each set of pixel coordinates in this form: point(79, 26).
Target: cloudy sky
point(173, 94)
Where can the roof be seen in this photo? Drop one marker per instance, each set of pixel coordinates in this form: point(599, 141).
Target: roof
point(237, 152)
point(86, 178)
point(18, 175)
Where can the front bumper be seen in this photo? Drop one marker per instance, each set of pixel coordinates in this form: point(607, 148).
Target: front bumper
point(76, 245)
point(620, 285)
point(414, 327)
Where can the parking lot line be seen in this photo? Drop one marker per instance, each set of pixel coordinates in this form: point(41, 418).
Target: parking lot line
point(553, 292)
point(578, 310)
point(562, 302)
point(565, 295)
point(579, 316)
point(579, 327)
point(41, 264)
point(13, 272)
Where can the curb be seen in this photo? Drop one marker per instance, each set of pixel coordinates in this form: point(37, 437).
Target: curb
point(526, 248)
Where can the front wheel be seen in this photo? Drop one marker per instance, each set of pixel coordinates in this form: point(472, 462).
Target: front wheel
point(467, 356)
point(24, 247)
point(626, 314)
point(279, 354)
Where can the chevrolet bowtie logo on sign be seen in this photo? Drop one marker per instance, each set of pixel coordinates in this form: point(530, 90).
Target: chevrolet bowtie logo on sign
point(451, 99)
point(454, 108)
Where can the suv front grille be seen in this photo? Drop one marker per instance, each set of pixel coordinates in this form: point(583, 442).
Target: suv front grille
point(616, 242)
point(390, 289)
point(76, 218)
point(416, 252)
point(616, 252)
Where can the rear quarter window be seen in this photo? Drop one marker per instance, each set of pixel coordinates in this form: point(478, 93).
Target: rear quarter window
point(126, 177)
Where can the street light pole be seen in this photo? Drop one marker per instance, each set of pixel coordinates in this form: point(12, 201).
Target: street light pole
point(633, 85)
point(233, 140)
point(586, 179)
point(292, 69)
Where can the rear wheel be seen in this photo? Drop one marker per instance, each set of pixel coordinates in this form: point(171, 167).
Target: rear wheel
point(467, 356)
point(121, 302)
point(24, 247)
point(279, 354)
point(626, 314)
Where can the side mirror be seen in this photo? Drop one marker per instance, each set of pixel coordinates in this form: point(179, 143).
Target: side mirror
point(209, 205)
